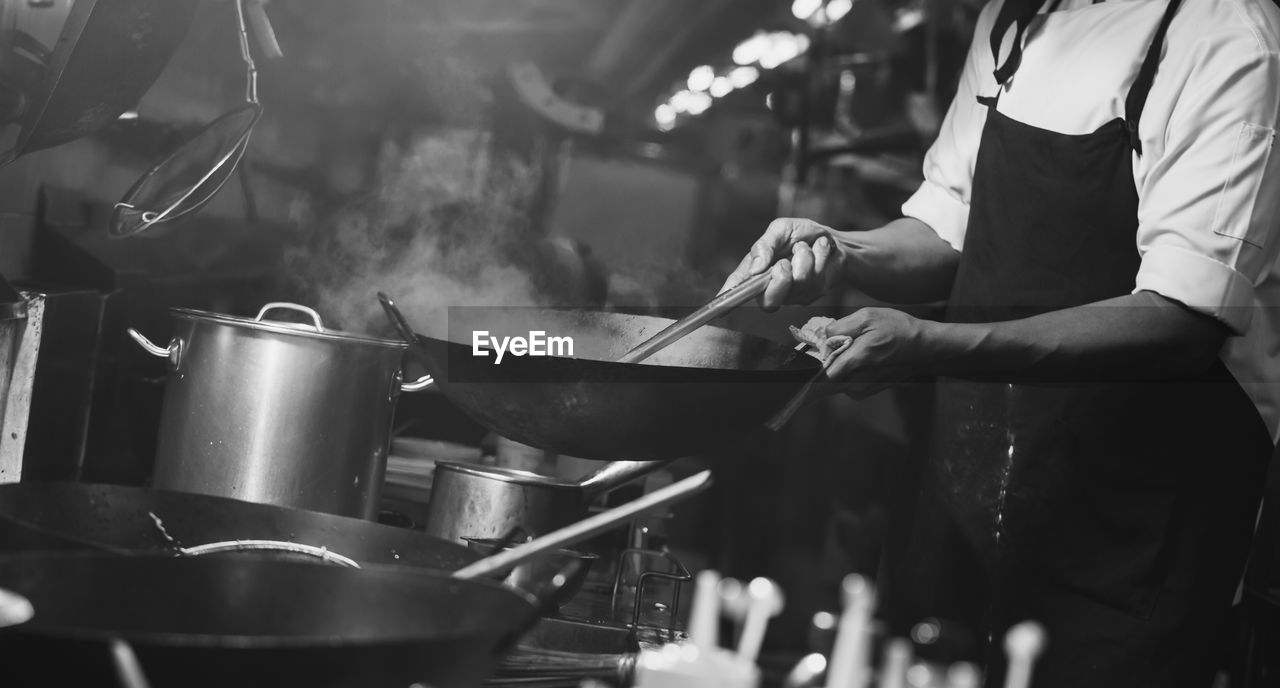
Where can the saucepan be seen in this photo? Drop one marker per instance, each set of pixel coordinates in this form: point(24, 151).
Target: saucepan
point(469, 500)
point(703, 391)
point(217, 621)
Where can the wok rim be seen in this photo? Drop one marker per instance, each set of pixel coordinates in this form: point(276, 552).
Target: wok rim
point(801, 362)
point(514, 400)
point(230, 641)
point(66, 489)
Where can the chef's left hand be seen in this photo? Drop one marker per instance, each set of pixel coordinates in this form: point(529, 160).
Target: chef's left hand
point(889, 347)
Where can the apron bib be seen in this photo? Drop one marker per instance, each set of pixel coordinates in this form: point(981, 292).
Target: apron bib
point(1117, 514)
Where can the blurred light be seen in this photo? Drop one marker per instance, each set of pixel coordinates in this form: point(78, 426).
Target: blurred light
point(770, 50)
point(963, 674)
point(836, 9)
point(751, 50)
point(771, 59)
point(926, 631)
point(681, 100)
point(665, 116)
point(814, 664)
point(919, 675)
point(721, 86)
point(698, 103)
point(742, 77)
point(802, 9)
point(768, 100)
point(783, 46)
point(701, 77)
point(908, 19)
point(825, 621)
point(128, 114)
point(848, 82)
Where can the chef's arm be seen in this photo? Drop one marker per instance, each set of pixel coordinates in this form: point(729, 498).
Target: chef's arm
point(1139, 336)
point(903, 262)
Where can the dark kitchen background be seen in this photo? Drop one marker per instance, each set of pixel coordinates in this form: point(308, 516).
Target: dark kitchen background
point(606, 154)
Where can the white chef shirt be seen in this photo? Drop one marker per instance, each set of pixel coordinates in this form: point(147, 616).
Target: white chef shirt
point(1208, 183)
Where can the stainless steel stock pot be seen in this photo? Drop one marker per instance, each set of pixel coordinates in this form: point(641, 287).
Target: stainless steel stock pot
point(277, 412)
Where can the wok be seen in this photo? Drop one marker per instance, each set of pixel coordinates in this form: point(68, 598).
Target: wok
point(97, 62)
point(119, 519)
point(700, 392)
point(254, 622)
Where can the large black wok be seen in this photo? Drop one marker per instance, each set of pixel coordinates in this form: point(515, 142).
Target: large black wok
point(122, 519)
point(253, 622)
point(712, 386)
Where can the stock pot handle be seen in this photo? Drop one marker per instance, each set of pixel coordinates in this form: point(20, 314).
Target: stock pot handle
point(418, 385)
point(170, 353)
point(315, 317)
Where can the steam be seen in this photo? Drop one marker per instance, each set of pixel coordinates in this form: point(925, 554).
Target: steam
point(446, 226)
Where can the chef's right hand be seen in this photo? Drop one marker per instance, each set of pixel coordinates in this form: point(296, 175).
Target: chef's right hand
point(805, 257)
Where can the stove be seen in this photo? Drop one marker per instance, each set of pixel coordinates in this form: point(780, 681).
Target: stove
point(631, 599)
point(632, 605)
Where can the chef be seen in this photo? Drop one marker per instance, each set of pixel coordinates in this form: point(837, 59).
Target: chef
point(1101, 214)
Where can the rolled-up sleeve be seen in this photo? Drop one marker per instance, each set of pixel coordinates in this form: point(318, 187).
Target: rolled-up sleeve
point(1209, 206)
point(942, 210)
point(942, 201)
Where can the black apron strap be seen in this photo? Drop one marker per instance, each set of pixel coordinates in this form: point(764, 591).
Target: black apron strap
point(1017, 13)
point(1137, 98)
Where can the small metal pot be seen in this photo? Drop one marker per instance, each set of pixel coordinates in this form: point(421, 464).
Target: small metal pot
point(488, 502)
point(276, 412)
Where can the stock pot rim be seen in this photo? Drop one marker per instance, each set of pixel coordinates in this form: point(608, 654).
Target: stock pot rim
point(285, 328)
point(506, 475)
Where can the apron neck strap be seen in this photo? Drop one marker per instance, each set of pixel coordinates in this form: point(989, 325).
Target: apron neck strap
point(1137, 98)
point(1013, 12)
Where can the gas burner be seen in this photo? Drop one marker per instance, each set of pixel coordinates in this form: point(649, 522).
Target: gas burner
point(599, 633)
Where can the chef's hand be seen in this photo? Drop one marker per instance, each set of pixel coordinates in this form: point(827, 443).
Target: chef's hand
point(889, 347)
point(808, 258)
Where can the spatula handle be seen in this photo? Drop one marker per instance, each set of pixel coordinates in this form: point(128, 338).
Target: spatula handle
point(715, 308)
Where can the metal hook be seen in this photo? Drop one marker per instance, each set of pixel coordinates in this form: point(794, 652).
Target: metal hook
point(251, 77)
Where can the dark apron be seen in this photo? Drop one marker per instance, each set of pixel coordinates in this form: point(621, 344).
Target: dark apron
point(1118, 514)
